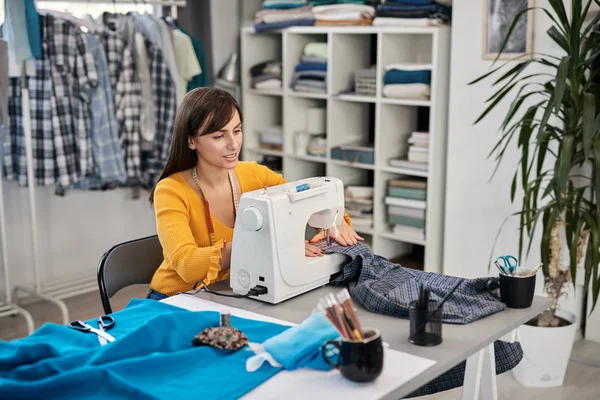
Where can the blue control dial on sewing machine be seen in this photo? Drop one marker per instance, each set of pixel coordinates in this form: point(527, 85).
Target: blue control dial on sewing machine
point(302, 187)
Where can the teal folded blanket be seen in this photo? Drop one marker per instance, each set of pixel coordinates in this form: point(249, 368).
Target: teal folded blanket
point(151, 358)
point(396, 76)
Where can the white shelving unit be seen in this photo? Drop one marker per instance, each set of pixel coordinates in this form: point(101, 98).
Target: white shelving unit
point(385, 122)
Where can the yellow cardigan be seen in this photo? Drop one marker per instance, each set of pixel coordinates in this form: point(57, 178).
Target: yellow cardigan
point(183, 233)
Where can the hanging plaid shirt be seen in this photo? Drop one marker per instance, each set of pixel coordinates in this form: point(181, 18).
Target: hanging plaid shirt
point(386, 288)
point(166, 107)
point(165, 100)
point(40, 104)
point(127, 92)
point(109, 158)
point(73, 78)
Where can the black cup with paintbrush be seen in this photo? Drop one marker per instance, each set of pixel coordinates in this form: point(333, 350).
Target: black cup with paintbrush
point(426, 318)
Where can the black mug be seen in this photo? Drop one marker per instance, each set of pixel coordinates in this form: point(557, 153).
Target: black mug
point(359, 360)
point(517, 291)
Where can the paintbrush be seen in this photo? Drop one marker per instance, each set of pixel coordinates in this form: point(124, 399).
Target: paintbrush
point(346, 301)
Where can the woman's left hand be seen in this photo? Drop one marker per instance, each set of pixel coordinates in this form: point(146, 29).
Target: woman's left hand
point(346, 235)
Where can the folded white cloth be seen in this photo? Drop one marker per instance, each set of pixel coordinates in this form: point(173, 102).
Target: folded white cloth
point(279, 17)
point(269, 84)
point(367, 11)
point(414, 91)
point(290, 13)
point(407, 67)
point(305, 88)
point(386, 21)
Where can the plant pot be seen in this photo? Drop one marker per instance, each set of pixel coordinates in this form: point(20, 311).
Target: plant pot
point(546, 353)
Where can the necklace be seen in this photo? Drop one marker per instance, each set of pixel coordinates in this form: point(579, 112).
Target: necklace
point(209, 222)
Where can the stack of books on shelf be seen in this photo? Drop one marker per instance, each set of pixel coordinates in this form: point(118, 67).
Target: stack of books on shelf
point(271, 138)
point(359, 206)
point(418, 153)
point(406, 206)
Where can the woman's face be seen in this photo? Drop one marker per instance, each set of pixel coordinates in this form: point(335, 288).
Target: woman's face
point(222, 148)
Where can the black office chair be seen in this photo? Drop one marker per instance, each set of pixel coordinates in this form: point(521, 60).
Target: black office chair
point(128, 263)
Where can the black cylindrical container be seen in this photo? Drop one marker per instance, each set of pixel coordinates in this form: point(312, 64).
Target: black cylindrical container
point(517, 291)
point(425, 325)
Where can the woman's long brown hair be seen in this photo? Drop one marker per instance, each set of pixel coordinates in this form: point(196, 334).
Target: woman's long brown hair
point(202, 111)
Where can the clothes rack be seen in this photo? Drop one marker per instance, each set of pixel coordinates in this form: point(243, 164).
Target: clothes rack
point(66, 289)
point(7, 307)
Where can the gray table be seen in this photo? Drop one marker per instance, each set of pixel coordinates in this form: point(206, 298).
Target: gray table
point(473, 342)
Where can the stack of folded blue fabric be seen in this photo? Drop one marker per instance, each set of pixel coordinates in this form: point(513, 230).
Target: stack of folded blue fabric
point(407, 81)
point(412, 12)
point(311, 73)
point(279, 14)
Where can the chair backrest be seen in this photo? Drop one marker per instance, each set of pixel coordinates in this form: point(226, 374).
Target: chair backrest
point(126, 264)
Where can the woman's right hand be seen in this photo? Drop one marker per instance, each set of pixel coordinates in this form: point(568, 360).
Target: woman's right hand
point(225, 262)
point(312, 250)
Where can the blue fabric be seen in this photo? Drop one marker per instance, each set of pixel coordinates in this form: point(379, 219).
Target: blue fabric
point(34, 31)
point(311, 67)
point(282, 5)
point(15, 33)
point(154, 295)
point(283, 24)
point(147, 27)
point(408, 7)
point(410, 2)
point(300, 346)
point(396, 76)
point(151, 358)
point(403, 9)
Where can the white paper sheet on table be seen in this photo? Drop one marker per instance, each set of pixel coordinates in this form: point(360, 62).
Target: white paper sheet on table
point(398, 367)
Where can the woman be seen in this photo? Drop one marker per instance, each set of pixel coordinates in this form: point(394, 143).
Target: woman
point(196, 195)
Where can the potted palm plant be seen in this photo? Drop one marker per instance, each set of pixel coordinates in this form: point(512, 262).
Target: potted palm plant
point(554, 120)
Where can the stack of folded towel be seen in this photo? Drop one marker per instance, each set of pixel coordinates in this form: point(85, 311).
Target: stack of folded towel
point(266, 75)
point(279, 14)
point(407, 81)
point(406, 207)
point(412, 12)
point(311, 73)
point(271, 138)
point(358, 201)
point(349, 14)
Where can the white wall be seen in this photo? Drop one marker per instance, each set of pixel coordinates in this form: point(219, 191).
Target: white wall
point(225, 31)
point(74, 231)
point(476, 206)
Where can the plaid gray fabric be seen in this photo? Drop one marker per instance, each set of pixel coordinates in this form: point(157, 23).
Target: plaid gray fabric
point(73, 78)
point(40, 104)
point(386, 288)
point(165, 99)
point(507, 356)
point(127, 92)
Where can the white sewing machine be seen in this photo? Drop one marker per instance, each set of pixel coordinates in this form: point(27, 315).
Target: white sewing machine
point(268, 240)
